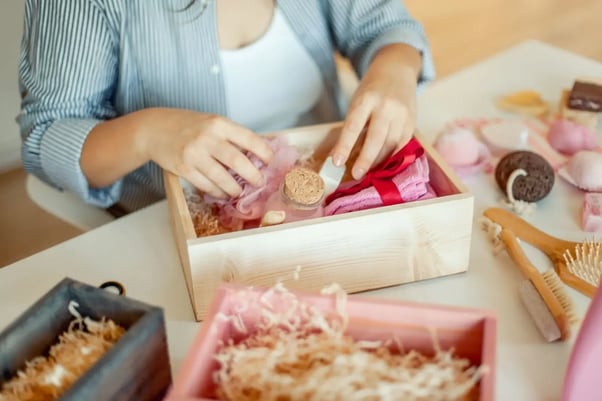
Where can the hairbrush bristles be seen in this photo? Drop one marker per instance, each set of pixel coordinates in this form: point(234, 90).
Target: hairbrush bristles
point(556, 286)
point(587, 263)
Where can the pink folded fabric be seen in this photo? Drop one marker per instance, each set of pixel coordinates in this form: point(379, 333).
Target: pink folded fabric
point(412, 184)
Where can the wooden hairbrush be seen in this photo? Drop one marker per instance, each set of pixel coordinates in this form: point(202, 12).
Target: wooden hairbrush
point(542, 294)
point(578, 264)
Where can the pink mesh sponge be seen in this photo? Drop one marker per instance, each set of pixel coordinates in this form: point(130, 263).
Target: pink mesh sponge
point(251, 202)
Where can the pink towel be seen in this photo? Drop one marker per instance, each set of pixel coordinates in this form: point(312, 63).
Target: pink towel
point(412, 184)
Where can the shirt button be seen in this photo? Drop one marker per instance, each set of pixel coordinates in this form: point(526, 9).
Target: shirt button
point(215, 69)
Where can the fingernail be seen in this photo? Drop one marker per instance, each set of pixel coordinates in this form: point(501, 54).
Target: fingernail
point(358, 173)
point(337, 160)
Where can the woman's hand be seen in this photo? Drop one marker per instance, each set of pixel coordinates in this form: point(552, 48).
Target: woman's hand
point(384, 104)
point(202, 148)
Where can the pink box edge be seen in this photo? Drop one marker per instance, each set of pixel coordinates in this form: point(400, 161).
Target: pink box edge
point(183, 381)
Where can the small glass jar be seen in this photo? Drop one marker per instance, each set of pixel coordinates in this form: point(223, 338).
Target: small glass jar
point(300, 195)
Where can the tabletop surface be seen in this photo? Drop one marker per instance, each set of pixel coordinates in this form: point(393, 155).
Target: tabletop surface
point(139, 250)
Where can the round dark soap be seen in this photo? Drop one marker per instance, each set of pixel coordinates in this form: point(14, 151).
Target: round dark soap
point(532, 187)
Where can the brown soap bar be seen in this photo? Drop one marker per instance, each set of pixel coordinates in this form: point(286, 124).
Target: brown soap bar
point(586, 96)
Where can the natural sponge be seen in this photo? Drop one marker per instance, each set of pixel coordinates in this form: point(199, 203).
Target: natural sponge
point(532, 186)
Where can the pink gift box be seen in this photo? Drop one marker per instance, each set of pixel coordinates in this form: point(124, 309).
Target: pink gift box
point(470, 332)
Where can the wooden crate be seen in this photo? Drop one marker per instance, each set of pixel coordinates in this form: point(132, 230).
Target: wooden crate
point(470, 332)
point(360, 250)
point(135, 368)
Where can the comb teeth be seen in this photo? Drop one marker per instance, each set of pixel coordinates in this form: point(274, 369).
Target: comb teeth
point(587, 263)
point(550, 277)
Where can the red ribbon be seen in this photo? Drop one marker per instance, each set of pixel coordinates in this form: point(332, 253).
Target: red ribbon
point(381, 176)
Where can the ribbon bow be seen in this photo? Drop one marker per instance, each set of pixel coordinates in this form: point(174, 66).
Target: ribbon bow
point(381, 176)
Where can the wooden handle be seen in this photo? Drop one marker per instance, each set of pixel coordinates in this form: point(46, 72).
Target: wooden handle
point(517, 254)
point(553, 247)
point(575, 281)
point(531, 273)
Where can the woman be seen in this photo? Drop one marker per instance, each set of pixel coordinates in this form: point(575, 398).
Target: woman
point(114, 90)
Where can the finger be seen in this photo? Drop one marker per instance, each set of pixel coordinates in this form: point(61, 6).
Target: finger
point(378, 129)
point(204, 184)
point(389, 146)
point(248, 140)
point(356, 120)
point(394, 136)
point(218, 175)
point(408, 131)
point(394, 139)
point(230, 156)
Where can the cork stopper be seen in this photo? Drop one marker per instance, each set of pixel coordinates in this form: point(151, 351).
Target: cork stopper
point(303, 186)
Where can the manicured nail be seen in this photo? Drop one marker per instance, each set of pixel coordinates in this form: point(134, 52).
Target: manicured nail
point(358, 173)
point(337, 160)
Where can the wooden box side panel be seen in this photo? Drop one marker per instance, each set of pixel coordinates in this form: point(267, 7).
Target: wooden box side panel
point(136, 368)
point(181, 224)
point(374, 249)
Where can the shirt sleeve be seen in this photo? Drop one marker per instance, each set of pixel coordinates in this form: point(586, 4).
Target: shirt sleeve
point(67, 75)
point(362, 27)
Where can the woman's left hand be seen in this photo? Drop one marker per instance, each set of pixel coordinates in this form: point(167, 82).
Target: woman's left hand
point(385, 104)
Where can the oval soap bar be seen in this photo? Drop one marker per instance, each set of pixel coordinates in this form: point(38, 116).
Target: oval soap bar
point(507, 135)
point(532, 187)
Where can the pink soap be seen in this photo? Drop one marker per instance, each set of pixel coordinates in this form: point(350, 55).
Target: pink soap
point(568, 137)
point(591, 220)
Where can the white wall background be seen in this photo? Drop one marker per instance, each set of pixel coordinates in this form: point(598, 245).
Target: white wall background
point(11, 28)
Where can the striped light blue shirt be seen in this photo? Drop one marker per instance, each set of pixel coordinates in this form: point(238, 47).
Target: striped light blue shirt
point(85, 61)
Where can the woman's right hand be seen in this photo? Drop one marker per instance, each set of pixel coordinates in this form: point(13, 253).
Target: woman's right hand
point(202, 148)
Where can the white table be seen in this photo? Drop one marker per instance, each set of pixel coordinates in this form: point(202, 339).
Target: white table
point(139, 250)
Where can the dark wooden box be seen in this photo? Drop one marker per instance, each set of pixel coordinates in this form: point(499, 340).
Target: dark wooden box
point(135, 368)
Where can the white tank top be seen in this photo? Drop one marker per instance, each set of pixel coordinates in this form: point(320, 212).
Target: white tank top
point(273, 83)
